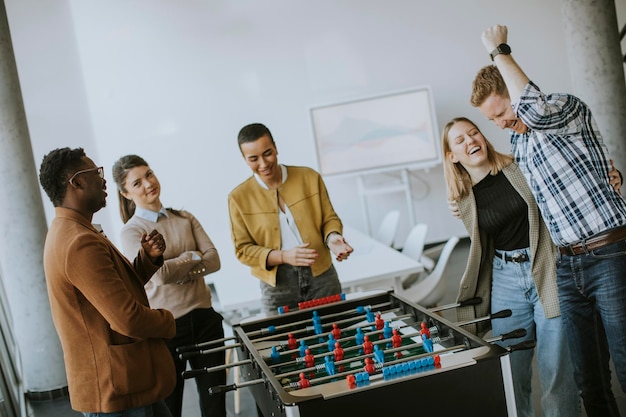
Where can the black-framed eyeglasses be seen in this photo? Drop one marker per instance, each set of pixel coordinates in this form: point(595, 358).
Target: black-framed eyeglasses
point(99, 169)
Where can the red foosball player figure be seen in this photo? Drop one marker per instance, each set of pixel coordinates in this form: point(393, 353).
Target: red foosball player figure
point(292, 343)
point(396, 339)
point(368, 347)
point(309, 359)
point(304, 383)
point(425, 330)
point(369, 366)
point(379, 322)
point(351, 380)
point(336, 331)
point(396, 342)
point(338, 352)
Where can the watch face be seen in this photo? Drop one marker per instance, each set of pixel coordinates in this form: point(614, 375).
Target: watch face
point(503, 48)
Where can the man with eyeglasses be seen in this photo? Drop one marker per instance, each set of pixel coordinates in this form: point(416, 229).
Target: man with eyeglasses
point(115, 355)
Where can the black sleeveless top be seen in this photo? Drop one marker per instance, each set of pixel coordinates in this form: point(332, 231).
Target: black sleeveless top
point(502, 212)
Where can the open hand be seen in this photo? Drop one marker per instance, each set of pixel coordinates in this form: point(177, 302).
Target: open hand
point(300, 255)
point(339, 247)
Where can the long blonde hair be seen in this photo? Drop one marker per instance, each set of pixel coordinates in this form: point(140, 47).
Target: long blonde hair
point(458, 179)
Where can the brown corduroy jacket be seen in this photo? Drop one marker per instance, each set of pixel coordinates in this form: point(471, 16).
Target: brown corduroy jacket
point(113, 343)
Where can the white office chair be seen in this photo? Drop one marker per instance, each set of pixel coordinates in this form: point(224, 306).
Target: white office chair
point(388, 228)
point(414, 246)
point(431, 290)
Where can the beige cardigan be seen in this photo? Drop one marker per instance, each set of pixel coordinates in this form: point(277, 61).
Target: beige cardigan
point(476, 281)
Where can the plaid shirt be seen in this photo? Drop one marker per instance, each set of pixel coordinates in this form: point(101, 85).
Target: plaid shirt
point(566, 164)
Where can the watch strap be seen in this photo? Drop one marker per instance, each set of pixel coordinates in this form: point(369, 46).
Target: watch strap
point(503, 49)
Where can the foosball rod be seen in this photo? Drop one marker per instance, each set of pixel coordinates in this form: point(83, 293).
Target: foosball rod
point(469, 302)
point(189, 348)
point(515, 334)
point(192, 373)
point(433, 329)
point(315, 336)
point(350, 349)
point(188, 354)
point(220, 389)
point(322, 344)
point(356, 358)
point(390, 363)
point(526, 344)
point(498, 315)
point(271, 330)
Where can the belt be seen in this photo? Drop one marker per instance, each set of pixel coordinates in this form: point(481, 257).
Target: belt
point(595, 242)
point(517, 257)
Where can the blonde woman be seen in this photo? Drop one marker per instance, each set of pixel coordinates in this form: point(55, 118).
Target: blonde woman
point(511, 264)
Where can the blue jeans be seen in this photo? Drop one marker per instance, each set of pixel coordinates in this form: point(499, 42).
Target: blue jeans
point(295, 284)
point(513, 288)
point(158, 409)
point(592, 296)
point(198, 326)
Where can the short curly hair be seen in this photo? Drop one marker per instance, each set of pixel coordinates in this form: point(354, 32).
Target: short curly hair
point(488, 81)
point(56, 169)
point(252, 132)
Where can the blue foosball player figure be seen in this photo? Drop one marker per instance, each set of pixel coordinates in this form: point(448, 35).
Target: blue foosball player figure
point(379, 354)
point(331, 342)
point(303, 348)
point(275, 355)
point(427, 343)
point(329, 365)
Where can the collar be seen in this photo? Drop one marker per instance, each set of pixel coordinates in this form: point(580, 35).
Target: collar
point(262, 184)
point(150, 215)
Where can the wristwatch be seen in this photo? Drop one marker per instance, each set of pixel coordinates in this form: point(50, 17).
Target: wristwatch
point(503, 49)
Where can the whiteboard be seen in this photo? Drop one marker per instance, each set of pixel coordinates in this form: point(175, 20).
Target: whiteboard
point(387, 132)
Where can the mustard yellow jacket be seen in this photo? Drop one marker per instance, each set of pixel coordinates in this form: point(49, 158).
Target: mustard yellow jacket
point(255, 226)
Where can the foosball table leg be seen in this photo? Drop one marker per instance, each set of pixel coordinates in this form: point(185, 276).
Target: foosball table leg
point(236, 376)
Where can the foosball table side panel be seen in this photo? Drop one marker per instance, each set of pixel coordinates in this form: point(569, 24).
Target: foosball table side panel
point(477, 390)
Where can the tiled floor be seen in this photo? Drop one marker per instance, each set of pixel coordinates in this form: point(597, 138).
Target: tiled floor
point(61, 408)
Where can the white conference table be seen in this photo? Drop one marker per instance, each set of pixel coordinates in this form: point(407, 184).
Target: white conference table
point(372, 265)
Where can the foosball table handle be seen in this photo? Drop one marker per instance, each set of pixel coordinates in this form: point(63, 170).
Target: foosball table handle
point(220, 389)
point(501, 314)
point(526, 344)
point(192, 373)
point(514, 334)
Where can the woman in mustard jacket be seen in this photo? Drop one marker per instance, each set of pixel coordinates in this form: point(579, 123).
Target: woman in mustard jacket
point(283, 225)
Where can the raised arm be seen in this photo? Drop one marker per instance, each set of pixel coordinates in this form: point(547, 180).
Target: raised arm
point(513, 75)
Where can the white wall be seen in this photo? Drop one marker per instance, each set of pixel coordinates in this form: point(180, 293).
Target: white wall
point(175, 81)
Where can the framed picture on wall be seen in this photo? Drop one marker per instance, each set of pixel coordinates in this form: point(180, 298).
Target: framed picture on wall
point(388, 132)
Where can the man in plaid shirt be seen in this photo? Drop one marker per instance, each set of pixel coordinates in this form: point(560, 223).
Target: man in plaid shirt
point(558, 146)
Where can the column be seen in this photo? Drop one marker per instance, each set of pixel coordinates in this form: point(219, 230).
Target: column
point(597, 70)
point(22, 234)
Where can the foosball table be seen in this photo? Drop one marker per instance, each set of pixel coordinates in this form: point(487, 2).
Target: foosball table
point(375, 355)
